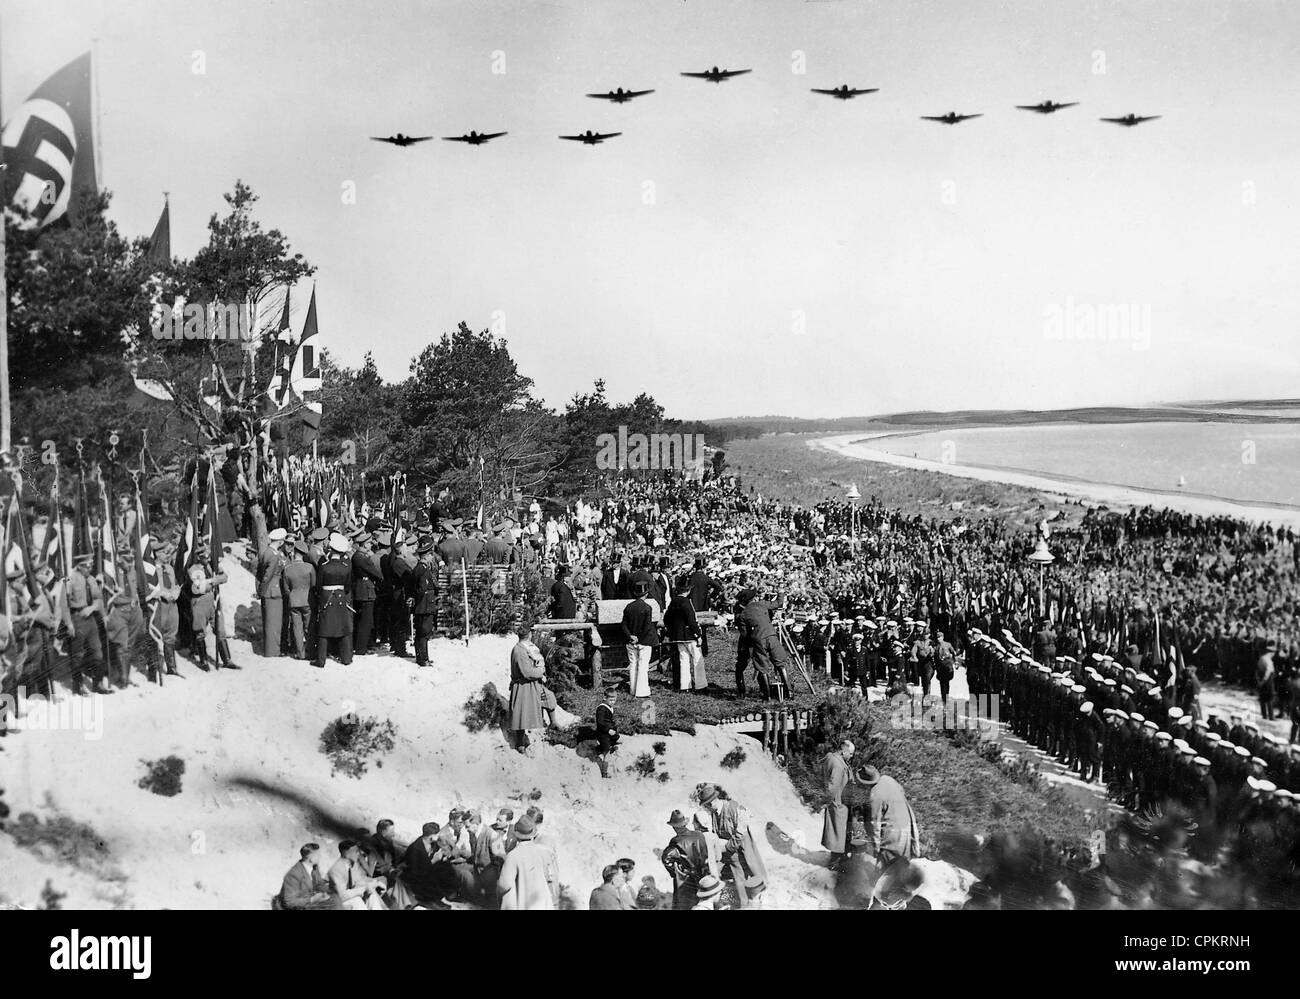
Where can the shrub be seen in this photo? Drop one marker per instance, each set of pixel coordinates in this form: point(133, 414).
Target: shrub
point(163, 776)
point(486, 709)
point(643, 766)
point(660, 748)
point(65, 839)
point(563, 654)
point(663, 777)
point(350, 742)
point(734, 758)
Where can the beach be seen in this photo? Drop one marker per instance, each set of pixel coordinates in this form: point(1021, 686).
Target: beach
point(864, 447)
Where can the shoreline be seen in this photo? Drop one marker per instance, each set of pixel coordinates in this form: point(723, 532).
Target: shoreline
point(858, 446)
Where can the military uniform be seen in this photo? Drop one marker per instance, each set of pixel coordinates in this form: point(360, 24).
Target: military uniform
point(366, 573)
point(334, 616)
point(422, 592)
point(85, 601)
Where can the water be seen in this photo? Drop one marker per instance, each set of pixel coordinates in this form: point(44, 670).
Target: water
point(1246, 462)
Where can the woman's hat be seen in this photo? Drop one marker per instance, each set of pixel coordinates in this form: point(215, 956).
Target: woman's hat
point(709, 887)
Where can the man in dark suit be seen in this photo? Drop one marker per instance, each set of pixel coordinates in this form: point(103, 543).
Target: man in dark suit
point(703, 590)
point(687, 859)
point(420, 882)
point(615, 584)
point(303, 886)
point(563, 605)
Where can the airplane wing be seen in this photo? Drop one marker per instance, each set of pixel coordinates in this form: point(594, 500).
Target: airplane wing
point(637, 93)
point(1151, 117)
point(573, 138)
point(1029, 107)
point(967, 117)
point(378, 138)
point(931, 117)
point(492, 135)
point(815, 90)
point(419, 138)
point(1072, 104)
point(733, 72)
point(607, 135)
point(603, 97)
point(455, 138)
point(698, 76)
point(868, 90)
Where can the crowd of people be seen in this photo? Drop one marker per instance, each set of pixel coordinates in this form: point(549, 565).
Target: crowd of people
point(711, 861)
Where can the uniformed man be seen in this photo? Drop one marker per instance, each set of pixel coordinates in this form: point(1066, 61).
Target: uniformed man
point(334, 600)
point(270, 591)
point(299, 581)
point(422, 598)
point(366, 575)
point(125, 622)
point(86, 604)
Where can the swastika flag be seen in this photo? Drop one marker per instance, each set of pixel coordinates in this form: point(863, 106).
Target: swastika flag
point(49, 148)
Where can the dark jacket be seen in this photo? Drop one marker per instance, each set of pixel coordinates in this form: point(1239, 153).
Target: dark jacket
point(679, 620)
point(334, 599)
point(638, 623)
point(563, 605)
point(421, 586)
point(615, 589)
point(366, 575)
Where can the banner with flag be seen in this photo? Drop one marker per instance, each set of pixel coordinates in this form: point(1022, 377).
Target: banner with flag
point(304, 373)
point(49, 148)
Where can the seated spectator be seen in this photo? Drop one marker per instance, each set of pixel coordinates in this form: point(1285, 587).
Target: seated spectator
point(609, 894)
point(350, 885)
point(303, 886)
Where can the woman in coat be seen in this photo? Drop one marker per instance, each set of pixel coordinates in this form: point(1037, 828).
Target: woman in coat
point(740, 853)
point(523, 883)
point(835, 814)
point(527, 692)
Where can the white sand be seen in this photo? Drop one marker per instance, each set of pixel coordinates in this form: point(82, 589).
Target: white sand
point(217, 845)
point(1117, 497)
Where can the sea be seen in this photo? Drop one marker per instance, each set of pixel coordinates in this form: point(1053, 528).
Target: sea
point(1242, 462)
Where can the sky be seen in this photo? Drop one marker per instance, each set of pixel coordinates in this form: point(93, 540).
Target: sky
point(744, 248)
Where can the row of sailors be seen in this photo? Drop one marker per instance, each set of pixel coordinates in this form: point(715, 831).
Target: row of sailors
point(1207, 765)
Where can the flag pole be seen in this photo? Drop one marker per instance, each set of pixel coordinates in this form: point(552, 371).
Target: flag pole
point(4, 326)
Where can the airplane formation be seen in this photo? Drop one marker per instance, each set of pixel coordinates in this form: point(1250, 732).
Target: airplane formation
point(715, 75)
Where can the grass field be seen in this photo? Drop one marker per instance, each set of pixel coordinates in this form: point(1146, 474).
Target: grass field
point(673, 710)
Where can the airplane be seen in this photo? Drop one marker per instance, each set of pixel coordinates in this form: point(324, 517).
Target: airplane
point(402, 140)
point(1129, 120)
point(1047, 107)
point(621, 96)
point(591, 138)
point(951, 118)
point(845, 92)
point(716, 75)
point(474, 138)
